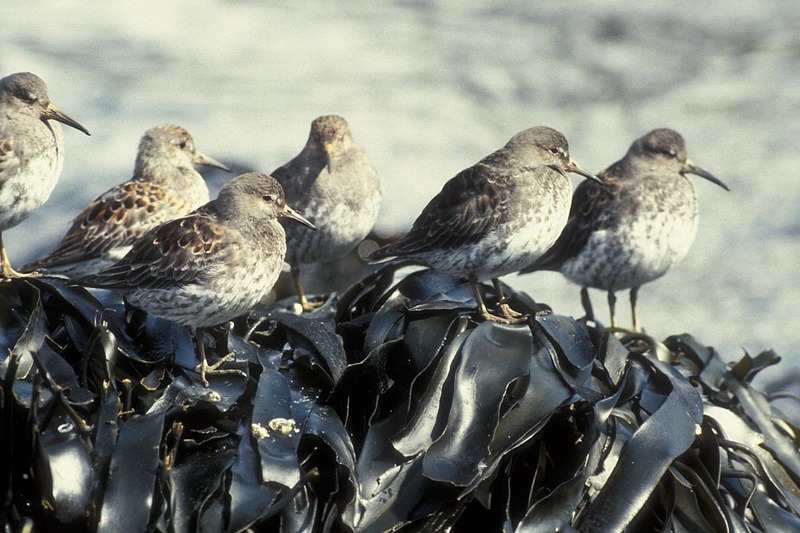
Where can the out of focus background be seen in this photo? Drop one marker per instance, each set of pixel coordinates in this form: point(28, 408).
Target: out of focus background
point(431, 87)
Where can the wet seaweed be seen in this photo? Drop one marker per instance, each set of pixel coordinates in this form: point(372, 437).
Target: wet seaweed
point(390, 408)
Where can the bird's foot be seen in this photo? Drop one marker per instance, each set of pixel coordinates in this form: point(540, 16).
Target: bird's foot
point(9, 273)
point(205, 369)
point(509, 313)
point(310, 306)
point(509, 316)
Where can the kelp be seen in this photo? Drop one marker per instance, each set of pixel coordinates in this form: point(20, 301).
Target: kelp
point(390, 408)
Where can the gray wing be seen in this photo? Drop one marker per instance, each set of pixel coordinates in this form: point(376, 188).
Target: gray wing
point(297, 176)
point(588, 213)
point(176, 253)
point(460, 214)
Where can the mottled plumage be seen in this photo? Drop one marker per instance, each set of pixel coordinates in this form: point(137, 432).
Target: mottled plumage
point(31, 151)
point(496, 216)
point(164, 186)
point(332, 183)
point(633, 230)
point(212, 265)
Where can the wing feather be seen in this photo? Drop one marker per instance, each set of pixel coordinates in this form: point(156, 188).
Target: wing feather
point(588, 214)
point(117, 218)
point(460, 214)
point(174, 254)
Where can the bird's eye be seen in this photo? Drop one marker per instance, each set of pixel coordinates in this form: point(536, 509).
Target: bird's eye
point(182, 145)
point(555, 151)
point(669, 152)
point(268, 198)
point(26, 96)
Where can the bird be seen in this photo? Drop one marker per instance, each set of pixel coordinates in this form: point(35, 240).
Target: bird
point(496, 216)
point(164, 186)
point(31, 152)
point(635, 228)
point(333, 184)
point(210, 266)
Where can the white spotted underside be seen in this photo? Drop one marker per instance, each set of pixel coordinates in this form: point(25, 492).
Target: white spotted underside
point(22, 193)
point(518, 241)
point(641, 249)
point(221, 297)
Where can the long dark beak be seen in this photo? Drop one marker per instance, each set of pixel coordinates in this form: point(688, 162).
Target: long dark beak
point(573, 167)
point(691, 168)
point(51, 112)
point(202, 159)
point(288, 212)
point(328, 152)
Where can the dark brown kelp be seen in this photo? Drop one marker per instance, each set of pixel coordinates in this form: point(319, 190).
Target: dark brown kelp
point(388, 409)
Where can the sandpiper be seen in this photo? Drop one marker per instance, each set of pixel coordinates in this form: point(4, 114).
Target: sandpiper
point(496, 216)
point(164, 186)
point(634, 229)
point(210, 266)
point(332, 183)
point(31, 152)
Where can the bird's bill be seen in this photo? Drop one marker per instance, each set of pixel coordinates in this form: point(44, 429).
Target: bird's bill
point(573, 167)
point(202, 159)
point(328, 153)
point(51, 112)
point(691, 168)
point(288, 212)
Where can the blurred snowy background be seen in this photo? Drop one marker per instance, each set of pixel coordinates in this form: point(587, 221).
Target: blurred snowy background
point(431, 87)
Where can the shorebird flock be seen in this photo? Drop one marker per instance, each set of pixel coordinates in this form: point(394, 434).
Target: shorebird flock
point(176, 254)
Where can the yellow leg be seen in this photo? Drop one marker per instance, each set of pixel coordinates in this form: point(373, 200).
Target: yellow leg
point(304, 303)
point(503, 306)
point(204, 368)
point(612, 302)
point(7, 271)
point(634, 316)
point(586, 302)
point(484, 312)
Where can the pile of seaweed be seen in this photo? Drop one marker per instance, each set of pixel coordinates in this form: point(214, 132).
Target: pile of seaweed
point(390, 408)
